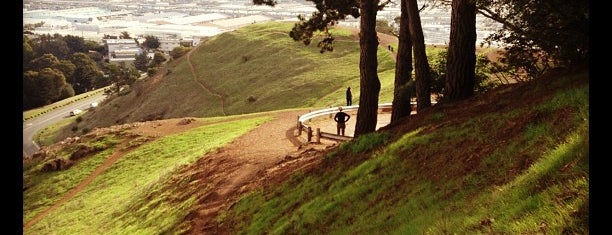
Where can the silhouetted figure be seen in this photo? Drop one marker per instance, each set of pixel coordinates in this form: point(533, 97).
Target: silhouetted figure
point(341, 118)
point(349, 97)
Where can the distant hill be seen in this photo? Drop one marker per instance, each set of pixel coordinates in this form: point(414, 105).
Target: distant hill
point(253, 69)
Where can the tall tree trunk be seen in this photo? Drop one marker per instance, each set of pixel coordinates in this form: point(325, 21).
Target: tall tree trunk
point(421, 65)
point(403, 69)
point(461, 58)
point(368, 65)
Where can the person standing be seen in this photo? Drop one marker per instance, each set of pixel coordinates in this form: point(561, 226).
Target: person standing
point(341, 118)
point(349, 97)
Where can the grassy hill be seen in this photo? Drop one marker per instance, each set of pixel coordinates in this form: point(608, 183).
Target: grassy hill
point(259, 61)
point(513, 161)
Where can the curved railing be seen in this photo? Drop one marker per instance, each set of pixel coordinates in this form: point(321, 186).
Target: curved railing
point(303, 127)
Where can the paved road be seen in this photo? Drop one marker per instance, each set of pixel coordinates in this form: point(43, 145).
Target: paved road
point(32, 126)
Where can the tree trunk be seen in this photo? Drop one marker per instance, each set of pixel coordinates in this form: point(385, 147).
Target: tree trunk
point(461, 58)
point(421, 65)
point(368, 65)
point(403, 69)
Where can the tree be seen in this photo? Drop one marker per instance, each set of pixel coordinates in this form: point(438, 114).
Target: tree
point(151, 42)
point(403, 68)
point(179, 51)
point(539, 35)
point(125, 35)
point(121, 75)
point(75, 44)
point(369, 88)
point(28, 52)
point(86, 73)
point(382, 26)
point(44, 87)
point(46, 44)
point(329, 13)
point(142, 61)
point(461, 61)
point(44, 61)
point(158, 58)
point(422, 70)
point(67, 68)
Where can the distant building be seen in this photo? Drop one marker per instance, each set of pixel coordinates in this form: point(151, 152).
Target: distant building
point(167, 45)
point(121, 50)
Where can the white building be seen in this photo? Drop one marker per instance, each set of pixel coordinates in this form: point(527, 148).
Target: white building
point(122, 49)
point(167, 45)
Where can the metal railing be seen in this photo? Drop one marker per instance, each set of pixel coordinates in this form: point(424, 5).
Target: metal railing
point(302, 127)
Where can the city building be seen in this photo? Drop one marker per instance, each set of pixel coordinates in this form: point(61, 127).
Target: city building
point(121, 50)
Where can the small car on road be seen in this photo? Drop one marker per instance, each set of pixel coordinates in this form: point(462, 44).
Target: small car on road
point(75, 112)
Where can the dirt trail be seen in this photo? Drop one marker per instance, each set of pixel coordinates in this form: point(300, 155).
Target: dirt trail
point(107, 163)
point(204, 85)
point(242, 166)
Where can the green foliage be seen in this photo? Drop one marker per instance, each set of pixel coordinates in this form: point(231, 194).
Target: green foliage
point(151, 42)
point(179, 51)
point(44, 87)
point(44, 61)
point(484, 71)
point(75, 44)
point(159, 58)
point(383, 26)
point(125, 35)
point(86, 74)
point(142, 61)
point(151, 72)
point(540, 35)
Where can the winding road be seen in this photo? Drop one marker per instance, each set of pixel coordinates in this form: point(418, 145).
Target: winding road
point(34, 125)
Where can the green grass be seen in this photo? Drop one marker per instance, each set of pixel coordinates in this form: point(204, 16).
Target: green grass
point(474, 175)
point(114, 203)
point(259, 61)
point(48, 136)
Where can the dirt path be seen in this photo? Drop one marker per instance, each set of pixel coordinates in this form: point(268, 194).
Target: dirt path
point(243, 165)
point(202, 84)
point(107, 163)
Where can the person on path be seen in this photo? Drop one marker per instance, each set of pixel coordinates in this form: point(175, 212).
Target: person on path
point(349, 97)
point(341, 118)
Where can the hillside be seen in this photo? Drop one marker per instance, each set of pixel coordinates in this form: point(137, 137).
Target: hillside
point(512, 161)
point(253, 69)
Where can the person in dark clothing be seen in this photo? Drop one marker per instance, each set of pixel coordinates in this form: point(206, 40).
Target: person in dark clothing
point(341, 118)
point(349, 97)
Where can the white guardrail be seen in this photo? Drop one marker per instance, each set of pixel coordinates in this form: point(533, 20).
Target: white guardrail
point(301, 126)
point(308, 129)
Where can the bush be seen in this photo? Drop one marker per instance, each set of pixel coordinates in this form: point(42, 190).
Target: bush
point(151, 71)
point(179, 51)
point(251, 99)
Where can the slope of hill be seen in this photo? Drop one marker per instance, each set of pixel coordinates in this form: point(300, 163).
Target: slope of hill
point(253, 69)
point(512, 161)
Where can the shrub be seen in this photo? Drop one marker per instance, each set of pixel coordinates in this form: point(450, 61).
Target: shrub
point(251, 99)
